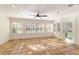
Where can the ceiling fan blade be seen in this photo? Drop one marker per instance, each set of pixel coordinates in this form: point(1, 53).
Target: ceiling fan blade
point(32, 15)
point(43, 15)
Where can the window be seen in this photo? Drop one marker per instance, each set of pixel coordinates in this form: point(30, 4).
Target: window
point(54, 27)
point(34, 28)
point(58, 27)
point(17, 27)
point(29, 27)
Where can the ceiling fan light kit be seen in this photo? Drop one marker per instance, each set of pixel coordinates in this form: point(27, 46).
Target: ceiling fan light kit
point(38, 15)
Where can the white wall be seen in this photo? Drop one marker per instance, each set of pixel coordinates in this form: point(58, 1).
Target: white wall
point(70, 19)
point(34, 35)
point(4, 29)
point(77, 30)
point(74, 19)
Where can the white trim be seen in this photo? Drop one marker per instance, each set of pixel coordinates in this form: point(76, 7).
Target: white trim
point(4, 41)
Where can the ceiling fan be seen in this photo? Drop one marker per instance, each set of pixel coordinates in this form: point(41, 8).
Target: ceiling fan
point(39, 15)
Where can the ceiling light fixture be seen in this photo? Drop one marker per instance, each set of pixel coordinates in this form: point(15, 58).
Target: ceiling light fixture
point(58, 12)
point(13, 6)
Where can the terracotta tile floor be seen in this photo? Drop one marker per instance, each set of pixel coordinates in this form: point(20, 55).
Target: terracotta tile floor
point(39, 46)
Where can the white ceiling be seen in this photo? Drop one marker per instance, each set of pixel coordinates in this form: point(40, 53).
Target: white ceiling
point(25, 10)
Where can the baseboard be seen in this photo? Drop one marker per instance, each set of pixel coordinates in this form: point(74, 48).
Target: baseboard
point(4, 41)
point(35, 37)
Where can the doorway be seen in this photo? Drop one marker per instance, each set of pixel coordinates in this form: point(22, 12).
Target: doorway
point(67, 29)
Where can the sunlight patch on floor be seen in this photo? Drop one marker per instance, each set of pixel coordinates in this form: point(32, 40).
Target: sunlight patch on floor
point(37, 47)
